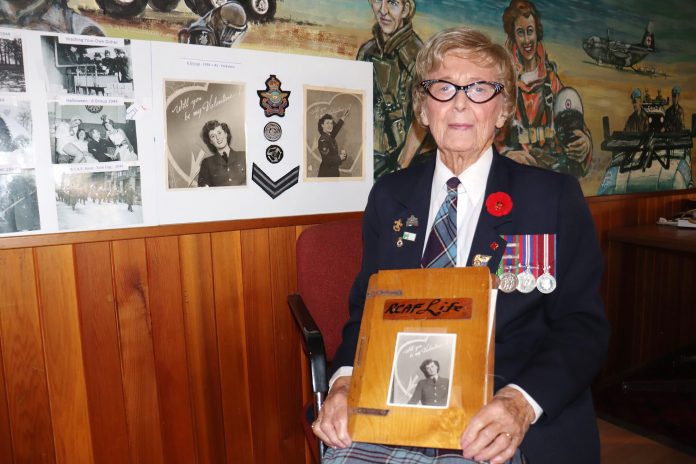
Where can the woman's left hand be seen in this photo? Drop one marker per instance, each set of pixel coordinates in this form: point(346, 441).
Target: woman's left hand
point(496, 431)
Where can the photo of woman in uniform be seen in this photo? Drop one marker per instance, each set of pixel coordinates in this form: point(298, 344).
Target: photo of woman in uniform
point(331, 156)
point(334, 128)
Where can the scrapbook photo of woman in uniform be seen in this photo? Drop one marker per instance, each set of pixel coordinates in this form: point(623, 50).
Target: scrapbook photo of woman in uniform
point(422, 369)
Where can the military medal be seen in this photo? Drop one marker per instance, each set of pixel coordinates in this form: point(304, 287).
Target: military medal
point(526, 282)
point(508, 282)
point(508, 279)
point(546, 283)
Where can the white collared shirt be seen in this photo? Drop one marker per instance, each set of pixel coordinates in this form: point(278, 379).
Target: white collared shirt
point(469, 200)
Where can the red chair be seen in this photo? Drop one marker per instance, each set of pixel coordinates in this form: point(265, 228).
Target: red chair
point(328, 259)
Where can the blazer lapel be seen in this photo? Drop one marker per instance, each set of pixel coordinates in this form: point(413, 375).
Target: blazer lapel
point(416, 204)
point(487, 240)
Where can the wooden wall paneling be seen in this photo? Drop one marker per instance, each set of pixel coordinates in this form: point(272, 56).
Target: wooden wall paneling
point(65, 368)
point(24, 369)
point(5, 431)
point(665, 302)
point(232, 343)
point(137, 352)
point(201, 345)
point(645, 312)
point(258, 307)
point(169, 347)
point(288, 371)
point(102, 355)
point(687, 297)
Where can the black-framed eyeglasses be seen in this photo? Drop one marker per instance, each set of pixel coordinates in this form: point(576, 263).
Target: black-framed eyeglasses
point(477, 92)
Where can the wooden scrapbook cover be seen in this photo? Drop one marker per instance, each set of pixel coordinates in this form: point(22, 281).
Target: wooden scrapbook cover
point(424, 362)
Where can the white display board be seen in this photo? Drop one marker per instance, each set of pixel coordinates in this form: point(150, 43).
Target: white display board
point(100, 133)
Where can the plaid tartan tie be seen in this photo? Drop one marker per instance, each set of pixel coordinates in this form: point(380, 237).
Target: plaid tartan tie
point(441, 249)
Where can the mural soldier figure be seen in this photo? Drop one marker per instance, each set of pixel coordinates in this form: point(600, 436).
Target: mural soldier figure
point(674, 116)
point(392, 52)
point(46, 15)
point(638, 120)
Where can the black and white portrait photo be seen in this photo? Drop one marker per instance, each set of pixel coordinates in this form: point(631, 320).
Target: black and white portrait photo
point(91, 134)
point(73, 68)
point(422, 370)
point(333, 134)
point(92, 199)
point(11, 63)
point(16, 148)
point(19, 206)
point(206, 143)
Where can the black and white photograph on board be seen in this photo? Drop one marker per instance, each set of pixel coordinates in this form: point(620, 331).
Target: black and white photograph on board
point(206, 143)
point(16, 148)
point(97, 199)
point(91, 134)
point(19, 205)
point(422, 370)
point(333, 134)
point(11, 63)
point(74, 69)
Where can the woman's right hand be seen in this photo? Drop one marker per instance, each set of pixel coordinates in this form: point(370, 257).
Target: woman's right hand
point(331, 426)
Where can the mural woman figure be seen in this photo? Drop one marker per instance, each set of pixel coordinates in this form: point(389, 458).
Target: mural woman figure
point(533, 138)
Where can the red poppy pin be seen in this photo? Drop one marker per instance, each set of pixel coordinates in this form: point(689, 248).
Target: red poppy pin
point(499, 204)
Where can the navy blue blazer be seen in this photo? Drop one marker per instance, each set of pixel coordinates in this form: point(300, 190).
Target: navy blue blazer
point(550, 345)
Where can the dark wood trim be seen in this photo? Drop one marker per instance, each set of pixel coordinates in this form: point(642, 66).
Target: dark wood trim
point(64, 238)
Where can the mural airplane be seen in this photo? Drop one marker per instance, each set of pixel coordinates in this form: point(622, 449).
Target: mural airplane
point(604, 50)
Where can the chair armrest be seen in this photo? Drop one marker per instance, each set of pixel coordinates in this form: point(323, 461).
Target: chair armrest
point(312, 342)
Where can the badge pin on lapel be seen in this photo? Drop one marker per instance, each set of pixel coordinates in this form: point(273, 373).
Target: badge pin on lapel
point(410, 236)
point(481, 260)
point(397, 225)
point(412, 221)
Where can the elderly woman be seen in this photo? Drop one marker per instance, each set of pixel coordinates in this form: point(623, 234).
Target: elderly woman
point(551, 338)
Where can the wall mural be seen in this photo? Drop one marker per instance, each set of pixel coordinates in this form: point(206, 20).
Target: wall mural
point(611, 102)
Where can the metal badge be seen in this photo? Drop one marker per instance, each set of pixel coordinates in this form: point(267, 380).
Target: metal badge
point(526, 282)
point(412, 221)
point(481, 260)
point(274, 154)
point(272, 131)
point(410, 236)
point(399, 242)
point(397, 225)
point(508, 282)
